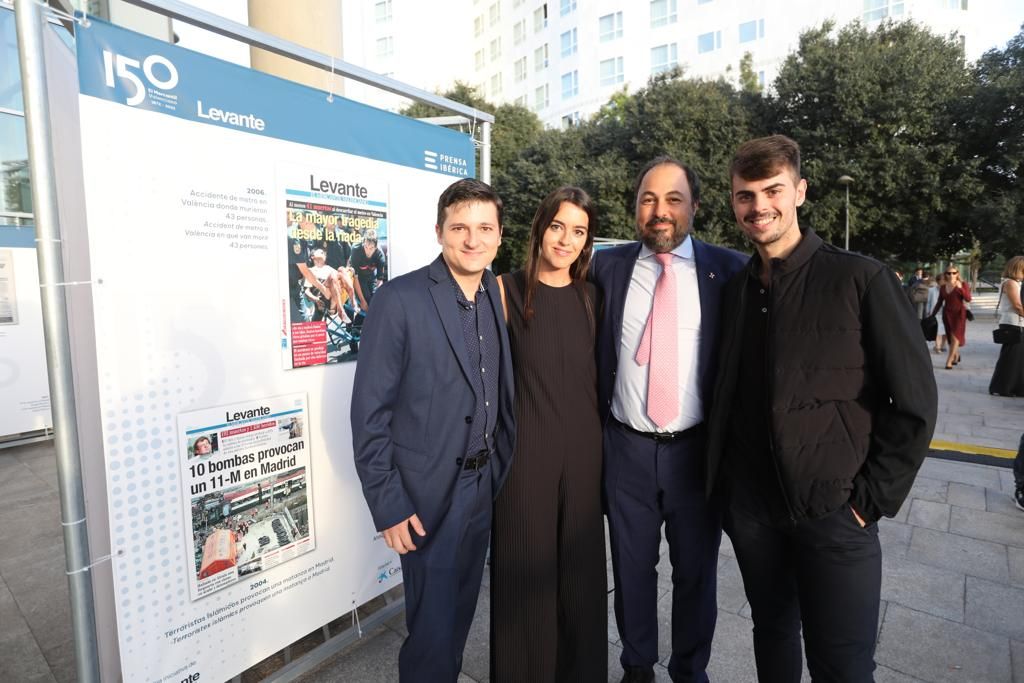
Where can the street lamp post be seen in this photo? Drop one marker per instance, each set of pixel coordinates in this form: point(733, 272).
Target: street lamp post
point(845, 181)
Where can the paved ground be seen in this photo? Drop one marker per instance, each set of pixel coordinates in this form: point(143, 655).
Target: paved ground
point(953, 571)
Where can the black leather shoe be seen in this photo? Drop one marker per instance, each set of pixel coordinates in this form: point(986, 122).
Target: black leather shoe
point(638, 674)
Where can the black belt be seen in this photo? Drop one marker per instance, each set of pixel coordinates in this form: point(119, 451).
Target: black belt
point(474, 462)
point(662, 437)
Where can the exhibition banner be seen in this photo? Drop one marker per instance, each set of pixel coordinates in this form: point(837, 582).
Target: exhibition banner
point(238, 228)
point(24, 393)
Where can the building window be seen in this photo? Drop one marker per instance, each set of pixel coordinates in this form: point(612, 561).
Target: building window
point(494, 14)
point(570, 120)
point(382, 11)
point(478, 59)
point(14, 171)
point(496, 84)
point(568, 6)
point(519, 32)
point(760, 79)
point(663, 12)
point(570, 84)
point(609, 27)
point(709, 42)
point(478, 25)
point(540, 97)
point(703, 2)
point(540, 18)
point(495, 48)
point(663, 58)
point(520, 69)
point(569, 43)
point(522, 101)
point(751, 30)
point(517, 3)
point(875, 10)
point(540, 58)
point(385, 46)
point(611, 71)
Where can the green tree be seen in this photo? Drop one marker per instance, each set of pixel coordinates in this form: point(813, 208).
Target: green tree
point(697, 121)
point(748, 79)
point(461, 92)
point(880, 106)
point(515, 129)
point(993, 135)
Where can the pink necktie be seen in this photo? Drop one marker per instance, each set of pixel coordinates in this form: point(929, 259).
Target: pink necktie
point(659, 348)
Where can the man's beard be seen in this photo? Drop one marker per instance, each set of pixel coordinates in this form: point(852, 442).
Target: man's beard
point(661, 243)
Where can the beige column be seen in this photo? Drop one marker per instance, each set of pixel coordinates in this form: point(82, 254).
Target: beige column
point(315, 24)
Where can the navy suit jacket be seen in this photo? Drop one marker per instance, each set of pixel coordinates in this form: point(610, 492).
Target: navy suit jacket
point(413, 403)
point(612, 270)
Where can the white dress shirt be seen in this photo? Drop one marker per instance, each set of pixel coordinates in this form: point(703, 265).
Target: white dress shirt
point(629, 400)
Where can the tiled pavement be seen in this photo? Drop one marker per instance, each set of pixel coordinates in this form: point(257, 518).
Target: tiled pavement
point(953, 570)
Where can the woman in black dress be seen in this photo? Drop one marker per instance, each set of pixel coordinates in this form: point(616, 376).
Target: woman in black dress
point(1008, 376)
point(549, 611)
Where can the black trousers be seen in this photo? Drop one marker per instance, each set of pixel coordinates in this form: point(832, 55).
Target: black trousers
point(825, 573)
point(648, 484)
point(442, 584)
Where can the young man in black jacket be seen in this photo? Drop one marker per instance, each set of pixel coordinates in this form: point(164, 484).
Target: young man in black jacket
point(824, 407)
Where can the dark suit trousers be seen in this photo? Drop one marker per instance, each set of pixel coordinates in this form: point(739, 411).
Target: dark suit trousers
point(824, 572)
point(442, 584)
point(648, 484)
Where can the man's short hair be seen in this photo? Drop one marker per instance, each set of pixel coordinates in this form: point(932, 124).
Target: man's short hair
point(467, 190)
point(691, 175)
point(765, 157)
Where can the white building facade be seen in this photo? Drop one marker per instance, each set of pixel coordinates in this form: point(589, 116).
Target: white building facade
point(565, 58)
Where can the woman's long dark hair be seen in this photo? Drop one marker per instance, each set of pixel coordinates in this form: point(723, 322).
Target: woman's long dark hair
point(546, 213)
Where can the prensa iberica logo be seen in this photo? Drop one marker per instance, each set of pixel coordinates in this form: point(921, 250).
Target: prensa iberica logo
point(137, 76)
point(445, 163)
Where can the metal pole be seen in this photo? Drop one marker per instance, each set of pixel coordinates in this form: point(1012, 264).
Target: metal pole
point(29, 27)
point(485, 152)
point(175, 9)
point(847, 247)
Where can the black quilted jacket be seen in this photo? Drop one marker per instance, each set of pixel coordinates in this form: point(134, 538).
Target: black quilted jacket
point(853, 397)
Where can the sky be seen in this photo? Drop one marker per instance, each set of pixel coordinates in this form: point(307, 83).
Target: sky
point(998, 21)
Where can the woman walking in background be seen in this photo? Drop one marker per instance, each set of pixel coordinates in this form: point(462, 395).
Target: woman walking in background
point(549, 611)
point(953, 298)
point(1008, 377)
point(933, 299)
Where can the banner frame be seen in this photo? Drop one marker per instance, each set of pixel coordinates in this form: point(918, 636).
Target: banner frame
point(29, 19)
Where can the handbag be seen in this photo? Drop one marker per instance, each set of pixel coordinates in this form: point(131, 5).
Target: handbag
point(930, 327)
point(970, 314)
point(1008, 334)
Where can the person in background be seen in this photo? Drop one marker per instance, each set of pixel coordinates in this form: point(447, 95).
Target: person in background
point(933, 299)
point(916, 277)
point(1018, 476)
point(549, 600)
point(1008, 376)
point(954, 296)
point(917, 292)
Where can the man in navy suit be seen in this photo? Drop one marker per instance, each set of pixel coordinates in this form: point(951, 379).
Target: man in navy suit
point(432, 426)
point(653, 391)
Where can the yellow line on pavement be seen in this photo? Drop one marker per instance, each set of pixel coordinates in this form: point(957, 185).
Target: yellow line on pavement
point(971, 448)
